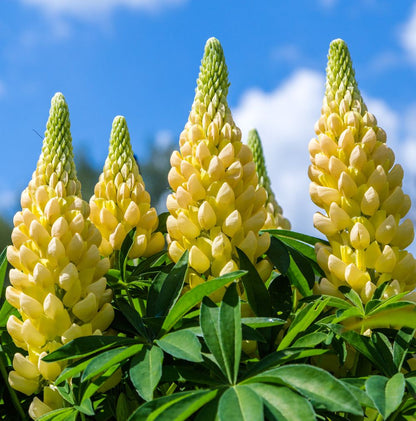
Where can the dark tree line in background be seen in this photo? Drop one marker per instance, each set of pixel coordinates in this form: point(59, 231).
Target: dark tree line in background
point(154, 171)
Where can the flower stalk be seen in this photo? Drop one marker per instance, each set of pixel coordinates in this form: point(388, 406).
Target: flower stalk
point(57, 282)
point(121, 202)
point(358, 185)
point(275, 218)
point(216, 204)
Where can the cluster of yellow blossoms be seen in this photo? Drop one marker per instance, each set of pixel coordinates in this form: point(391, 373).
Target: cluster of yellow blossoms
point(275, 218)
point(121, 201)
point(216, 204)
point(57, 283)
point(355, 180)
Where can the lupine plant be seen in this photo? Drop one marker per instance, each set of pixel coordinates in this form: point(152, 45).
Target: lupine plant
point(121, 202)
point(355, 180)
point(275, 218)
point(238, 318)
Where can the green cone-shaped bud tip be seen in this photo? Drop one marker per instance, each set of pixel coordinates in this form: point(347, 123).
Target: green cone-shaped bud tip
point(340, 82)
point(120, 150)
point(254, 142)
point(212, 83)
point(56, 162)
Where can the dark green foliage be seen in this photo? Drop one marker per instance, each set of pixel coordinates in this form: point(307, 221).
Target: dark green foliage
point(181, 355)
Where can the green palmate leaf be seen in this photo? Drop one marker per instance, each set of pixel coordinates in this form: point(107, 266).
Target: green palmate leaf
point(305, 249)
point(304, 265)
point(257, 322)
point(257, 294)
point(85, 407)
point(308, 239)
point(176, 407)
point(401, 345)
point(297, 279)
point(387, 394)
point(230, 328)
point(145, 265)
point(281, 294)
point(107, 359)
point(187, 373)
point(350, 313)
point(355, 387)
point(67, 392)
point(210, 324)
point(279, 255)
point(302, 321)
point(375, 349)
point(193, 297)
point(162, 222)
point(240, 403)
point(281, 357)
point(311, 340)
point(3, 270)
point(6, 311)
point(250, 334)
point(133, 318)
point(124, 253)
point(146, 370)
point(182, 344)
point(283, 404)
point(63, 414)
point(376, 305)
point(353, 297)
point(93, 387)
point(72, 370)
point(397, 315)
point(315, 384)
point(411, 384)
point(122, 408)
point(87, 345)
point(209, 411)
point(165, 290)
point(337, 302)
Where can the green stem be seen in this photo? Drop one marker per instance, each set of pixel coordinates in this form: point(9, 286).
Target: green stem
point(12, 393)
point(126, 290)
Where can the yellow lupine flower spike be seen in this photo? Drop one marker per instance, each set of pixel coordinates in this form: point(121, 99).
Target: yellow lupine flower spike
point(355, 181)
point(216, 204)
point(121, 202)
point(275, 218)
point(57, 282)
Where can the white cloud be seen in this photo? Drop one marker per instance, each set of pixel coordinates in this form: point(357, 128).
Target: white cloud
point(91, 9)
point(408, 35)
point(285, 119)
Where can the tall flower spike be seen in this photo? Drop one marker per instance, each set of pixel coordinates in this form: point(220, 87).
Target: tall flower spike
point(57, 283)
point(216, 204)
point(355, 181)
point(121, 201)
point(275, 218)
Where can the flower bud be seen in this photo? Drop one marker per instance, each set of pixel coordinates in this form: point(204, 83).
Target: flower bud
point(22, 383)
point(25, 368)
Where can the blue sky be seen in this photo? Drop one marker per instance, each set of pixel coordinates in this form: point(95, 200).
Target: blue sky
point(140, 58)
